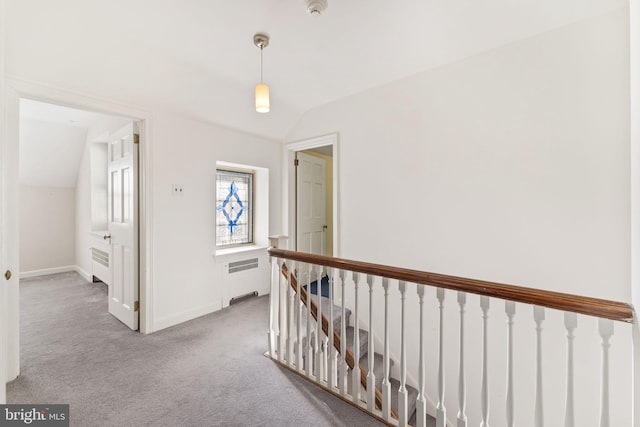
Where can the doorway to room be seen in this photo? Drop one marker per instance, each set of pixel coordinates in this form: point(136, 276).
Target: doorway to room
point(312, 195)
point(314, 200)
point(77, 197)
point(16, 93)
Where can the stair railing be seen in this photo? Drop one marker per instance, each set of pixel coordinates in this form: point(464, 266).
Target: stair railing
point(335, 343)
point(333, 361)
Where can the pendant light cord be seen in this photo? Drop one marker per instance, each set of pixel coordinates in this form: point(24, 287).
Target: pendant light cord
point(261, 64)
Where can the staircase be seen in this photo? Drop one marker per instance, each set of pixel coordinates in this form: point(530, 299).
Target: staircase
point(324, 319)
point(364, 357)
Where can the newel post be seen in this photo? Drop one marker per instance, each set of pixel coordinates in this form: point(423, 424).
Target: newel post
point(634, 86)
point(271, 333)
point(636, 372)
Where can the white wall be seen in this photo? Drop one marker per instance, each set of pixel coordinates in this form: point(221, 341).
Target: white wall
point(91, 202)
point(511, 166)
point(187, 277)
point(99, 186)
point(83, 214)
point(49, 152)
point(47, 228)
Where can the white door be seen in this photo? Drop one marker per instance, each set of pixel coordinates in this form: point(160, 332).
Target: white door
point(311, 212)
point(123, 225)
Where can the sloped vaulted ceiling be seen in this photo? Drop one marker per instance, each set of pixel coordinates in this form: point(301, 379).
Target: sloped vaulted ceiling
point(196, 57)
point(52, 142)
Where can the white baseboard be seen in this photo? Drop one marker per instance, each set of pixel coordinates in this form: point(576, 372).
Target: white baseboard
point(45, 271)
point(87, 276)
point(185, 316)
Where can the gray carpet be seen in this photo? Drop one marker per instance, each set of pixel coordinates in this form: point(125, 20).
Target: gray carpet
point(207, 372)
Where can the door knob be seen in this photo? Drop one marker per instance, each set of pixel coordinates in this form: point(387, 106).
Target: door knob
point(107, 236)
point(7, 274)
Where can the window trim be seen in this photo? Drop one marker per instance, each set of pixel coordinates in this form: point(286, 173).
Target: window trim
point(252, 198)
point(261, 212)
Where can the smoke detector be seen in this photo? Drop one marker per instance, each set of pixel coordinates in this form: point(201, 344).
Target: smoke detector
point(316, 7)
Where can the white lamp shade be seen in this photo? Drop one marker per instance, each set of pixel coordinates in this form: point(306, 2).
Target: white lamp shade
point(262, 98)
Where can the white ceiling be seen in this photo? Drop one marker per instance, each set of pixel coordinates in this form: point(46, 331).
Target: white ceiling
point(52, 141)
point(58, 114)
point(197, 56)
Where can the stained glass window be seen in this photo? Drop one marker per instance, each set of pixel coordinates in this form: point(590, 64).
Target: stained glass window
point(234, 207)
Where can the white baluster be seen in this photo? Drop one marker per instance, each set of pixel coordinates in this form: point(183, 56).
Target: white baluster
point(403, 418)
point(309, 352)
point(421, 402)
point(462, 382)
point(299, 311)
point(386, 384)
point(605, 326)
point(325, 336)
point(355, 373)
point(282, 311)
point(510, 309)
point(484, 399)
point(441, 411)
point(272, 292)
point(371, 378)
point(333, 354)
point(319, 332)
point(343, 338)
point(290, 316)
point(325, 356)
point(538, 315)
point(570, 323)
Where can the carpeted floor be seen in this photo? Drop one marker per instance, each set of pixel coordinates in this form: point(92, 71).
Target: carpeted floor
point(207, 372)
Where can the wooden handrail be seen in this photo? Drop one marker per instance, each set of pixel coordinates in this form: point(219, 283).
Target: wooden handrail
point(349, 357)
point(607, 309)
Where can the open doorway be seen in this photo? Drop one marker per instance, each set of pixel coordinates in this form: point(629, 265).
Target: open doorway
point(312, 182)
point(77, 200)
point(314, 200)
point(16, 91)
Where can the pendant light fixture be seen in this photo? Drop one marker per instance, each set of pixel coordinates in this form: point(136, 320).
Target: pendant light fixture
point(262, 90)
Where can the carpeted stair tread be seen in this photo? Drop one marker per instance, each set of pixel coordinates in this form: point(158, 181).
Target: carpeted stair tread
point(364, 340)
point(337, 313)
point(364, 358)
point(337, 318)
point(412, 394)
point(378, 366)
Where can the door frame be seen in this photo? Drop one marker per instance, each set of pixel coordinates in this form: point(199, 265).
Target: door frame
point(3, 261)
point(289, 186)
point(15, 89)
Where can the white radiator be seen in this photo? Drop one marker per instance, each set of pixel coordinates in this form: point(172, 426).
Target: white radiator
point(100, 265)
point(100, 257)
point(245, 276)
point(238, 266)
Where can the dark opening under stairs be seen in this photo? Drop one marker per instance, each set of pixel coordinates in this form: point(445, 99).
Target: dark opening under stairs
point(364, 346)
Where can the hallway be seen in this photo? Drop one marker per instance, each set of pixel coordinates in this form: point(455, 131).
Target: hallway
point(207, 372)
